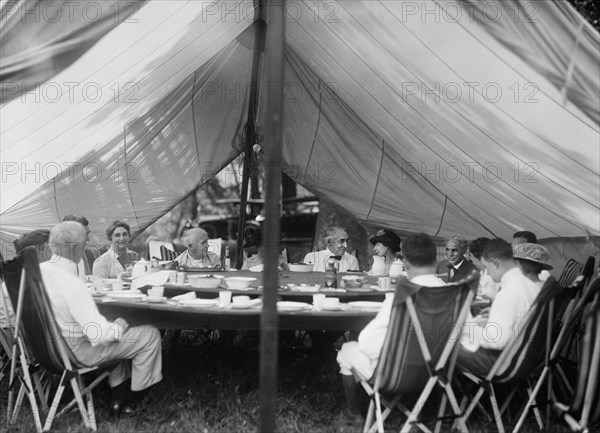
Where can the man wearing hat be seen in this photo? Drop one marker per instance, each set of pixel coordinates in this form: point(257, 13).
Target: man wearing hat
point(455, 267)
point(386, 244)
point(532, 259)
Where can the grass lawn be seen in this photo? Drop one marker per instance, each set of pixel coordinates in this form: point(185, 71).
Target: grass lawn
point(213, 387)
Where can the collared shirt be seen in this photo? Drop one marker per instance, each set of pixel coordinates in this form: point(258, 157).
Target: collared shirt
point(74, 309)
point(319, 261)
point(185, 259)
point(509, 308)
point(108, 265)
point(372, 337)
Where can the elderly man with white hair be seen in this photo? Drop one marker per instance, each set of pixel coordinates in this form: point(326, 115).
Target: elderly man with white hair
point(336, 239)
point(197, 254)
point(90, 336)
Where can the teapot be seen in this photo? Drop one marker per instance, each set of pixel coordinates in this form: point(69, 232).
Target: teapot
point(141, 268)
point(378, 267)
point(397, 269)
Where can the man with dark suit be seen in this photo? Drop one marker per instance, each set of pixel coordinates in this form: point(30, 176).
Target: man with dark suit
point(456, 266)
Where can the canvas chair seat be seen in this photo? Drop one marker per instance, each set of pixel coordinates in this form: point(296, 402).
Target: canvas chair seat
point(37, 333)
point(521, 357)
point(419, 348)
point(584, 411)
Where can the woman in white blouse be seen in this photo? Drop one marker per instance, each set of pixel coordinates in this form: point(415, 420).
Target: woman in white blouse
point(118, 257)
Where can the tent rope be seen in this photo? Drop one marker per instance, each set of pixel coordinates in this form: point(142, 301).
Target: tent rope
point(314, 140)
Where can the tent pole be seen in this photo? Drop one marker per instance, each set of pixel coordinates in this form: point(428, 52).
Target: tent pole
point(250, 132)
point(274, 73)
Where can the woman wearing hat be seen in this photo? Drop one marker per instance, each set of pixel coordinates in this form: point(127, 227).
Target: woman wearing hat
point(386, 244)
point(532, 259)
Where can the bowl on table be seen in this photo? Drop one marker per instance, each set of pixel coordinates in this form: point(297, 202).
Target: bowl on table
point(300, 267)
point(239, 283)
point(353, 281)
point(205, 281)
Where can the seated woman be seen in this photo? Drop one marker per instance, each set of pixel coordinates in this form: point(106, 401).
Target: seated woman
point(532, 259)
point(197, 254)
point(118, 257)
point(386, 244)
point(254, 249)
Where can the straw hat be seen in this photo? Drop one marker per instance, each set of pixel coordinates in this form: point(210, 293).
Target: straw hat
point(532, 252)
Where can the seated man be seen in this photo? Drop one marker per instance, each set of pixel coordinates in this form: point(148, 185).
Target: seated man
point(487, 287)
point(197, 254)
point(336, 240)
point(455, 266)
point(362, 356)
point(84, 266)
point(524, 237)
point(93, 339)
point(481, 343)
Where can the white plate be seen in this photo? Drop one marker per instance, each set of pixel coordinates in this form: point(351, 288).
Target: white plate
point(305, 288)
point(241, 306)
point(331, 307)
point(127, 295)
point(156, 300)
point(291, 305)
point(206, 303)
point(366, 305)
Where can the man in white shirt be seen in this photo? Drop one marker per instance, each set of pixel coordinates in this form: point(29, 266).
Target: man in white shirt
point(83, 267)
point(93, 339)
point(487, 287)
point(362, 356)
point(336, 239)
point(481, 343)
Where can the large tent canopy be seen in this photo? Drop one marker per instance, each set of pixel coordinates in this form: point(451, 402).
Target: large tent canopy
point(478, 118)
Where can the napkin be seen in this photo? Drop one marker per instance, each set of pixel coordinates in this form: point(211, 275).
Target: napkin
point(153, 279)
point(188, 295)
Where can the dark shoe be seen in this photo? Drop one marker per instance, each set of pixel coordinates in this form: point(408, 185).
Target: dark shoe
point(352, 422)
point(118, 395)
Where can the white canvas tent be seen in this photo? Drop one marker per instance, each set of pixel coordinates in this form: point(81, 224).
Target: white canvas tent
point(478, 118)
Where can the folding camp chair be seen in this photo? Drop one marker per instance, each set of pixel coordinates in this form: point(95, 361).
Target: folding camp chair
point(585, 404)
point(521, 356)
point(167, 254)
point(581, 294)
point(36, 333)
point(419, 350)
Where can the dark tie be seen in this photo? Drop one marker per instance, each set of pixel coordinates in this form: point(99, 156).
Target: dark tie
point(451, 271)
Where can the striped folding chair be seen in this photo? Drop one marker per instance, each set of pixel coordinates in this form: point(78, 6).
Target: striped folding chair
point(584, 411)
point(560, 332)
point(167, 254)
point(419, 351)
point(572, 269)
point(520, 358)
point(36, 333)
